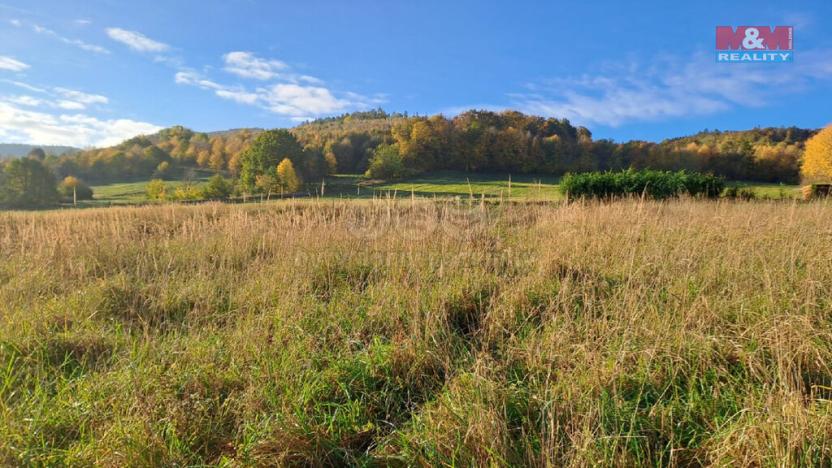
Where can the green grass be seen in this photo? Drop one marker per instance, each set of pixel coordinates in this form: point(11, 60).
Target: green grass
point(523, 187)
point(127, 193)
point(381, 332)
point(454, 184)
point(771, 191)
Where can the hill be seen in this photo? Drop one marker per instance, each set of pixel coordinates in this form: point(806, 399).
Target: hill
point(474, 141)
point(16, 150)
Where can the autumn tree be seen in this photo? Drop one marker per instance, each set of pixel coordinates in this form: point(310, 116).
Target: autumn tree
point(265, 152)
point(162, 170)
point(37, 153)
point(27, 183)
point(218, 157)
point(287, 178)
point(73, 189)
point(817, 157)
point(387, 164)
point(266, 183)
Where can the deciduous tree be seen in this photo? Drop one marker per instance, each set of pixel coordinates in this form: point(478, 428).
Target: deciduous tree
point(287, 178)
point(817, 158)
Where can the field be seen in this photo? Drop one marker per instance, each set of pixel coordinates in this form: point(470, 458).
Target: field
point(413, 332)
point(436, 185)
point(126, 193)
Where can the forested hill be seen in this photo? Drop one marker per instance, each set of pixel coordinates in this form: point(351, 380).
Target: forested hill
point(15, 150)
point(474, 141)
point(767, 135)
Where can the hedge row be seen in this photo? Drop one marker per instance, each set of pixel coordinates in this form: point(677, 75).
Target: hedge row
point(654, 184)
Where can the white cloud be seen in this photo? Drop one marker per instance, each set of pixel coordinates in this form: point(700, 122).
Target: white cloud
point(247, 65)
point(136, 41)
point(26, 86)
point(193, 79)
point(241, 97)
point(81, 97)
point(83, 22)
point(75, 42)
point(8, 63)
point(15, 22)
point(234, 94)
point(297, 97)
point(58, 97)
point(296, 100)
point(288, 99)
point(670, 88)
point(80, 130)
point(70, 105)
point(24, 100)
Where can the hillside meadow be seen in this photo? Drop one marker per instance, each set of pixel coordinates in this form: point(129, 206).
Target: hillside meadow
point(443, 184)
point(383, 332)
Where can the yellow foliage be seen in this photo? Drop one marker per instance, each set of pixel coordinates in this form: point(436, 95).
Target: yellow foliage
point(287, 176)
point(71, 182)
point(817, 158)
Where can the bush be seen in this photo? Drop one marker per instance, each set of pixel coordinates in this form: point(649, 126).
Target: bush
point(387, 163)
point(187, 192)
point(217, 188)
point(653, 184)
point(156, 190)
point(740, 193)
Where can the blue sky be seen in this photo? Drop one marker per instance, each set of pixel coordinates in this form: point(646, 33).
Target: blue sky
point(94, 72)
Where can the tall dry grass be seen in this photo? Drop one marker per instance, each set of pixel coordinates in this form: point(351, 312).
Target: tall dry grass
point(383, 332)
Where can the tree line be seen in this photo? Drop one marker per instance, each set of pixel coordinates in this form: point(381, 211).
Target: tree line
point(28, 183)
point(474, 141)
point(388, 146)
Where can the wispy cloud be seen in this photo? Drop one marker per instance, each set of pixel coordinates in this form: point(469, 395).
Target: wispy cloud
point(26, 86)
point(55, 98)
point(670, 88)
point(247, 65)
point(136, 41)
point(82, 97)
point(298, 97)
point(26, 126)
point(8, 63)
point(74, 42)
point(24, 100)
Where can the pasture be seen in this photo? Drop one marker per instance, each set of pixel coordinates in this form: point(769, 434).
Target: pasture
point(414, 332)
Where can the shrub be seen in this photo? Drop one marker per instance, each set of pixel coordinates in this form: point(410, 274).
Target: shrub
point(653, 184)
point(156, 190)
point(741, 193)
point(217, 188)
point(187, 191)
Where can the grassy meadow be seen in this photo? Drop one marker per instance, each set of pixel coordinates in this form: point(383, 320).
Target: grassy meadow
point(448, 184)
point(382, 332)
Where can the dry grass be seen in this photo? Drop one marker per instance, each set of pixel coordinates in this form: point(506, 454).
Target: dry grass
point(381, 332)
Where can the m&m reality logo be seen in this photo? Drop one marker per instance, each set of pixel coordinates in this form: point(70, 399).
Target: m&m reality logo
point(754, 44)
